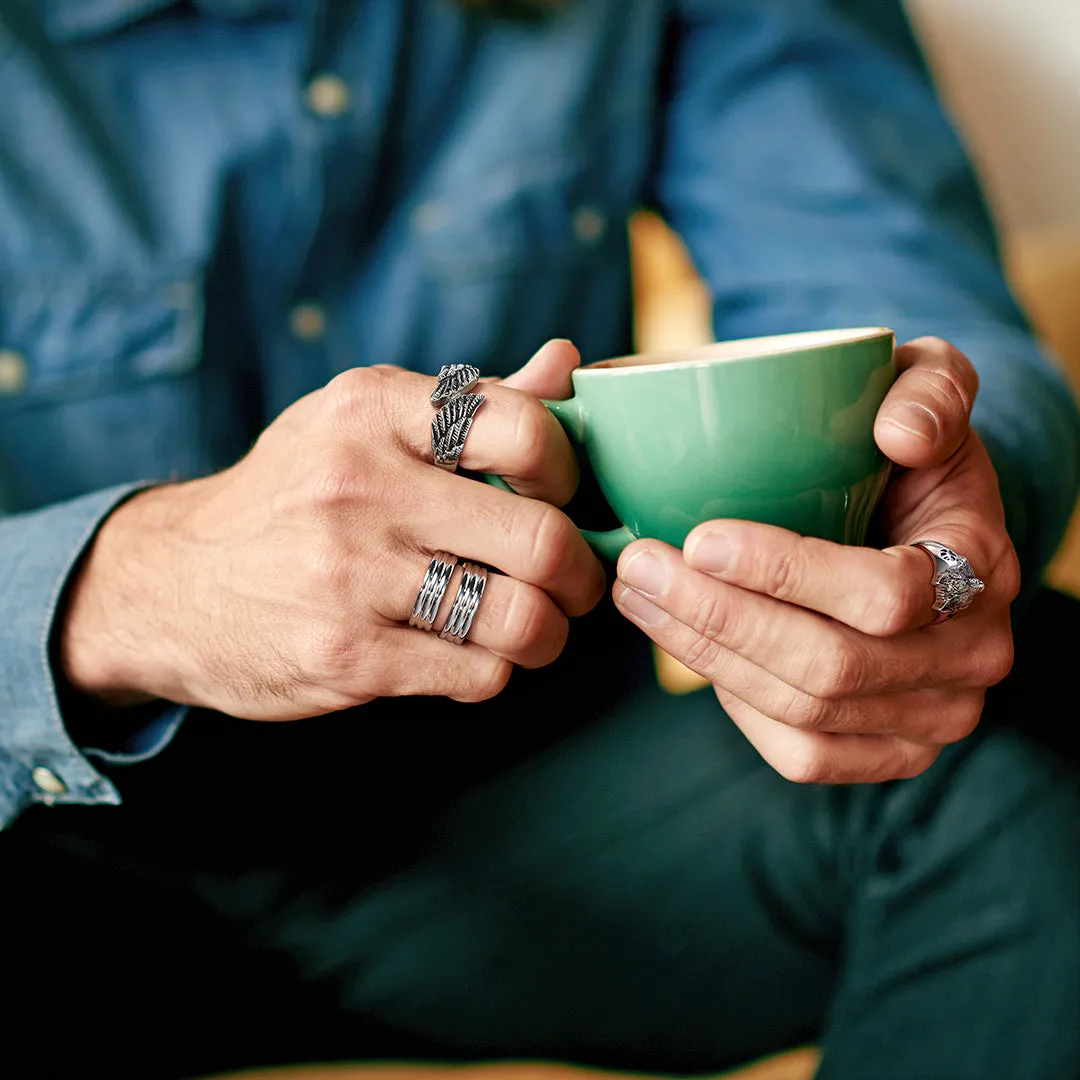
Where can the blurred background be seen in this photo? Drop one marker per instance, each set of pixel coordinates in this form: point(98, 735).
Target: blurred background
point(1009, 72)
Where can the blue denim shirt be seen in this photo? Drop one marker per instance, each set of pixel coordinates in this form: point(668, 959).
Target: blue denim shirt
point(446, 186)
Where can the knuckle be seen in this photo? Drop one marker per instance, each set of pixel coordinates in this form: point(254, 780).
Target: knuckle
point(940, 348)
point(481, 682)
point(914, 763)
point(894, 609)
point(945, 384)
point(962, 723)
point(1007, 575)
point(809, 713)
point(359, 390)
point(782, 575)
point(805, 763)
point(334, 481)
point(328, 651)
point(529, 617)
point(701, 654)
point(999, 659)
point(346, 390)
point(837, 671)
point(373, 677)
point(328, 570)
point(552, 544)
point(709, 617)
point(952, 362)
point(531, 435)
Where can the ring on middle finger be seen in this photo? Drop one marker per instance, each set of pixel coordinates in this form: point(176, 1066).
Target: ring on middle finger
point(450, 427)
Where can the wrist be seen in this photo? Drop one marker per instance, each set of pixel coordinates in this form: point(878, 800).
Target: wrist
point(113, 639)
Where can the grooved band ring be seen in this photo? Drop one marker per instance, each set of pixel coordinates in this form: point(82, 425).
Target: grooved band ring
point(429, 598)
point(466, 603)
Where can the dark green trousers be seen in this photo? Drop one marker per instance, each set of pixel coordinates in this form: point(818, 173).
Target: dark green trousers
point(615, 880)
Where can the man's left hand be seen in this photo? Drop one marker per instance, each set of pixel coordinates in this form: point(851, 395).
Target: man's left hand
point(823, 654)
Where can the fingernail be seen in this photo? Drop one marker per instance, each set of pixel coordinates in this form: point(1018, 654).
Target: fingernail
point(712, 552)
point(915, 419)
point(639, 608)
point(645, 572)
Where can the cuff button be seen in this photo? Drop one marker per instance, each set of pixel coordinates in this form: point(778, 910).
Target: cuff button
point(48, 781)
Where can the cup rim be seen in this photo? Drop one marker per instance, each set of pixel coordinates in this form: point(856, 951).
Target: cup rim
point(730, 352)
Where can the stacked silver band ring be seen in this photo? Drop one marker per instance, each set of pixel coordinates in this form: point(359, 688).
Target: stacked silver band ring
point(466, 603)
point(432, 591)
point(457, 407)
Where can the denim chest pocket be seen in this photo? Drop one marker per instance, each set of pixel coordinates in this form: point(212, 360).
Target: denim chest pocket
point(540, 213)
point(98, 380)
point(525, 251)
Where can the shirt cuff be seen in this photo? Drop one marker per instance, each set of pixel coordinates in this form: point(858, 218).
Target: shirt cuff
point(39, 761)
point(134, 735)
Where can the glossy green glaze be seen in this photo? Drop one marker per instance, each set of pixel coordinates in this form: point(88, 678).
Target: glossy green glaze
point(784, 435)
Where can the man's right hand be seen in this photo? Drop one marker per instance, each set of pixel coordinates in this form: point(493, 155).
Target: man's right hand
point(281, 588)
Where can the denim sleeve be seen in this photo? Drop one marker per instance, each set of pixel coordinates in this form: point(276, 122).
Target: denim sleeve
point(808, 165)
point(39, 762)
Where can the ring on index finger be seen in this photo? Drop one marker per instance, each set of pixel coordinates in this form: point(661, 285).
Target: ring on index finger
point(450, 427)
point(454, 380)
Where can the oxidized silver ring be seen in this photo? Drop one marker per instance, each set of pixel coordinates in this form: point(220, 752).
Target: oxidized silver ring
point(955, 583)
point(454, 380)
point(450, 426)
point(429, 598)
point(466, 603)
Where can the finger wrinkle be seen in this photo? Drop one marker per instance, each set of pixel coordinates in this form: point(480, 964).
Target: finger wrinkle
point(646, 572)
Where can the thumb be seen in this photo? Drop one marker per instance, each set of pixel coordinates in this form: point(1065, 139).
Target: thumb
point(547, 374)
point(925, 416)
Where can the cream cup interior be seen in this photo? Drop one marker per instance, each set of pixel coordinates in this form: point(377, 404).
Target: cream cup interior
point(745, 349)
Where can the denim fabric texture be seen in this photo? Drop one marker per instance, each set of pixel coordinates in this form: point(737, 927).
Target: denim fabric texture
point(175, 178)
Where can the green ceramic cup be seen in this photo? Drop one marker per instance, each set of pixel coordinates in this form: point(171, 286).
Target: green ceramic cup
point(775, 429)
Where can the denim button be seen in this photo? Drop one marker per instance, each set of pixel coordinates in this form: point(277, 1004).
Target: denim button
point(307, 322)
point(590, 224)
point(48, 781)
point(328, 95)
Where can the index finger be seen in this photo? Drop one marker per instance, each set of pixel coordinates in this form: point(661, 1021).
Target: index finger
point(881, 593)
point(511, 433)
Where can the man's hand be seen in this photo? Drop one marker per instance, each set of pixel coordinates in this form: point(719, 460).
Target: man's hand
point(282, 587)
point(824, 654)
